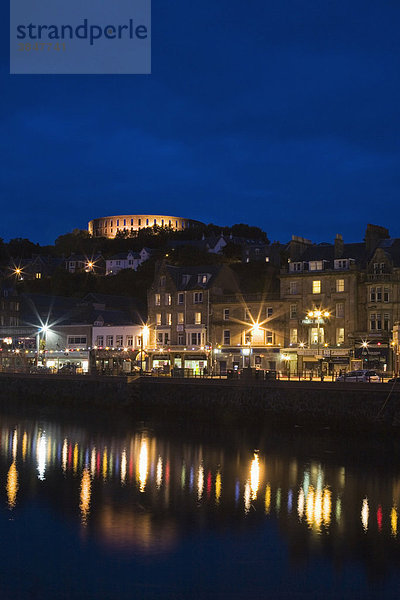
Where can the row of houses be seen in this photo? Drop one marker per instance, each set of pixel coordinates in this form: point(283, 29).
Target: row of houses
point(40, 266)
point(328, 307)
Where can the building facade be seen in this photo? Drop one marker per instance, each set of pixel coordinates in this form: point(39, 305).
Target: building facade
point(109, 226)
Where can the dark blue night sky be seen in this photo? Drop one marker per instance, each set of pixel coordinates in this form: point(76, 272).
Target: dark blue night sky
point(282, 114)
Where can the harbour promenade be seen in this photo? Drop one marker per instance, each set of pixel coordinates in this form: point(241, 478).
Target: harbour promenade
point(354, 407)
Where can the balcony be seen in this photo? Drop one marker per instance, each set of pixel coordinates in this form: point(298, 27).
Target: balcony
point(379, 276)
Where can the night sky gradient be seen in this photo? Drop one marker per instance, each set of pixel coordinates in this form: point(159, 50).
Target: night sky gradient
point(282, 114)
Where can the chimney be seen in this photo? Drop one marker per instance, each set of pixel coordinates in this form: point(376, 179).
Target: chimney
point(373, 235)
point(339, 245)
point(297, 247)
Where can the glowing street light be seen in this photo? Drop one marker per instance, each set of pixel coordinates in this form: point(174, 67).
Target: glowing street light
point(318, 314)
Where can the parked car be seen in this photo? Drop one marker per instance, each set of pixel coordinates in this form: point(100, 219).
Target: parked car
point(361, 376)
point(394, 380)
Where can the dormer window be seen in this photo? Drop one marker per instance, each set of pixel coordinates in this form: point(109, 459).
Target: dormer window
point(202, 278)
point(316, 265)
point(342, 263)
point(185, 279)
point(296, 266)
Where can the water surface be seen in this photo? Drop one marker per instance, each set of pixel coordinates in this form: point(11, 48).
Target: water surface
point(143, 511)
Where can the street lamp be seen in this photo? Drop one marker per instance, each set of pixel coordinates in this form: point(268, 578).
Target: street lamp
point(317, 315)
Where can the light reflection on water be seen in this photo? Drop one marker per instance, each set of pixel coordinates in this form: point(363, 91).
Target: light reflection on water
point(143, 493)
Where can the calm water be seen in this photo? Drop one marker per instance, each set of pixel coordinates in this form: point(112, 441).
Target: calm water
point(148, 512)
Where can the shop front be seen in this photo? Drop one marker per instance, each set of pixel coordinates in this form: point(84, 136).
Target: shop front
point(376, 356)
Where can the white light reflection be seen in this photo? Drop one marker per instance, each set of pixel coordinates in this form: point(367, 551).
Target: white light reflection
point(200, 482)
point(41, 456)
point(300, 504)
point(365, 514)
point(64, 455)
point(15, 444)
point(93, 462)
point(143, 464)
point(159, 472)
point(123, 467)
point(246, 496)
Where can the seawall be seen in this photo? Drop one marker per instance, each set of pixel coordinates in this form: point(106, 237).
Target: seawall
point(337, 406)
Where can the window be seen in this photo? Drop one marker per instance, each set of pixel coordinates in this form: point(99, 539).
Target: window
point(131, 221)
point(379, 294)
point(117, 222)
point(119, 340)
point(194, 339)
point(269, 311)
point(157, 298)
point(293, 287)
point(340, 285)
point(293, 311)
point(76, 340)
point(386, 322)
point(386, 294)
point(296, 266)
point(159, 338)
point(158, 319)
point(226, 314)
point(341, 263)
point(372, 321)
point(340, 335)
point(180, 339)
point(139, 222)
point(316, 286)
point(372, 294)
point(197, 318)
point(198, 297)
point(269, 337)
point(163, 280)
point(168, 299)
point(166, 338)
point(340, 310)
point(181, 298)
point(100, 340)
point(109, 340)
point(185, 279)
point(202, 278)
point(375, 322)
point(129, 341)
point(293, 336)
point(227, 337)
point(314, 335)
point(169, 318)
point(315, 265)
point(181, 318)
point(247, 315)
point(38, 275)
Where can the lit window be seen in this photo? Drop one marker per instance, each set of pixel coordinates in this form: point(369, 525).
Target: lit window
point(315, 265)
point(269, 337)
point(181, 318)
point(340, 285)
point(197, 318)
point(168, 299)
point(158, 319)
point(340, 335)
point(38, 275)
point(157, 299)
point(316, 286)
point(293, 336)
point(169, 318)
